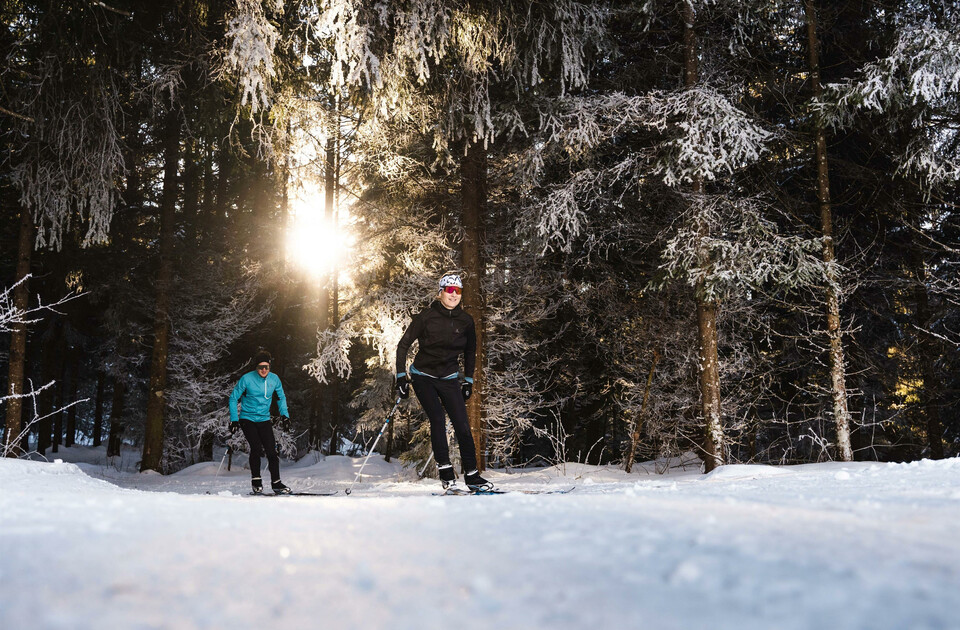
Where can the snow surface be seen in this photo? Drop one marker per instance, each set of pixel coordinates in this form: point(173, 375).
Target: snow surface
point(92, 545)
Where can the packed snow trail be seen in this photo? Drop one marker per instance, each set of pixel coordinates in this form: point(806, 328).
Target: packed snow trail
point(830, 546)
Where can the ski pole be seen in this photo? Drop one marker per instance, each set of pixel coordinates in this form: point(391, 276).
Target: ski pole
point(230, 451)
point(424, 469)
point(370, 452)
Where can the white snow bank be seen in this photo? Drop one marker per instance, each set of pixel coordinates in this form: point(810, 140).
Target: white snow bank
point(57, 475)
point(127, 461)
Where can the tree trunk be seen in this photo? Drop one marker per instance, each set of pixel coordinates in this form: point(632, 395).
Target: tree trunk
point(191, 196)
point(115, 438)
point(61, 398)
point(46, 400)
point(335, 287)
point(838, 385)
point(18, 338)
point(71, 436)
point(329, 199)
point(325, 393)
point(284, 183)
point(710, 383)
point(638, 424)
point(334, 448)
point(388, 450)
point(284, 330)
point(205, 448)
point(262, 194)
point(207, 219)
point(316, 425)
point(929, 353)
point(474, 191)
point(156, 400)
point(222, 207)
point(706, 308)
point(98, 411)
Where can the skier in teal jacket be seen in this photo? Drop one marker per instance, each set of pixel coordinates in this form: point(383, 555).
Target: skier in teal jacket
point(254, 394)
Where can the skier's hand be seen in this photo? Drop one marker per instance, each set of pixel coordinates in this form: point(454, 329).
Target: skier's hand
point(466, 389)
point(403, 386)
point(233, 427)
point(283, 418)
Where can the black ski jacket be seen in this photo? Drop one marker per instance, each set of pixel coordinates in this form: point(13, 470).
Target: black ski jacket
point(444, 335)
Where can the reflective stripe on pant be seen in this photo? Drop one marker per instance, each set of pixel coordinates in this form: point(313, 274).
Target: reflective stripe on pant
point(435, 395)
point(260, 437)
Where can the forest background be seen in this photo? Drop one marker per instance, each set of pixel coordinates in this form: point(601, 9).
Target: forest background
point(697, 225)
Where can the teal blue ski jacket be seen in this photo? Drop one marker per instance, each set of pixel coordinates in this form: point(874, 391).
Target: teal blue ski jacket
point(255, 393)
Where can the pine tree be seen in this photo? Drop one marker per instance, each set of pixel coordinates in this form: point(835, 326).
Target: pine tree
point(837, 363)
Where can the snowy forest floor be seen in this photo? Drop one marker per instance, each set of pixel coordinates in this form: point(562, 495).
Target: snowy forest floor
point(865, 545)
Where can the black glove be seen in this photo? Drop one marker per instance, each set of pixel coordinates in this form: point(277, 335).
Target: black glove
point(466, 389)
point(233, 427)
point(403, 386)
point(283, 418)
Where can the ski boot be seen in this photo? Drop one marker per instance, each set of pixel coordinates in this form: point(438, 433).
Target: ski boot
point(447, 477)
point(279, 488)
point(257, 483)
point(476, 483)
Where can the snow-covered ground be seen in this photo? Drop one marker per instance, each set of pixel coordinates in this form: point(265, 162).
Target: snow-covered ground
point(862, 545)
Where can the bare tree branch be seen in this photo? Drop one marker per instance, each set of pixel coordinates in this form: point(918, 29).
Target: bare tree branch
point(4, 110)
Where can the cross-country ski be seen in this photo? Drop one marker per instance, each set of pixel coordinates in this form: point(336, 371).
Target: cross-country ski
point(293, 494)
point(467, 492)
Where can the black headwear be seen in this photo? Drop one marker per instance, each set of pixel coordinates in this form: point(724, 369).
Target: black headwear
point(262, 357)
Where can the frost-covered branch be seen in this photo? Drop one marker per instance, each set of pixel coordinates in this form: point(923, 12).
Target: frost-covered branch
point(693, 134)
point(252, 40)
point(917, 85)
point(11, 316)
point(449, 58)
point(743, 249)
point(701, 132)
point(11, 444)
point(333, 354)
point(218, 306)
point(73, 161)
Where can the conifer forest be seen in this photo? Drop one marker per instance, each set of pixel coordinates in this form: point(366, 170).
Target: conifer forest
point(720, 227)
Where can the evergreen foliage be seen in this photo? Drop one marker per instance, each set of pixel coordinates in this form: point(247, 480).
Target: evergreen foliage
point(614, 196)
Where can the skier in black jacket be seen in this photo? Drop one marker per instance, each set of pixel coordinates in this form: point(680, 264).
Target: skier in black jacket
point(445, 332)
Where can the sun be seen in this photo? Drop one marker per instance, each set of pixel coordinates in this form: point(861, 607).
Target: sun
point(316, 245)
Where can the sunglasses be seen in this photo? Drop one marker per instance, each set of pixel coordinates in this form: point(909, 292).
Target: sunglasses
point(263, 367)
point(456, 290)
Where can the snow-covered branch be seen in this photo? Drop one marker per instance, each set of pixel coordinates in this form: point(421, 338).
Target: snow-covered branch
point(73, 161)
point(217, 307)
point(333, 354)
point(729, 246)
point(917, 84)
point(252, 41)
point(11, 316)
point(691, 134)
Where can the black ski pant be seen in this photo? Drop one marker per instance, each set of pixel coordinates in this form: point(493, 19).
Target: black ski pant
point(260, 437)
point(435, 395)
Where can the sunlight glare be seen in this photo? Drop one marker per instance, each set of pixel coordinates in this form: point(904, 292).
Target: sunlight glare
point(313, 243)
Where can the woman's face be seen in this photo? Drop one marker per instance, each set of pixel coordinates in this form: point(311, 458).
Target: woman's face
point(449, 300)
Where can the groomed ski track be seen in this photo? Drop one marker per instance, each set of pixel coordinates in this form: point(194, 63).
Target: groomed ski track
point(869, 546)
